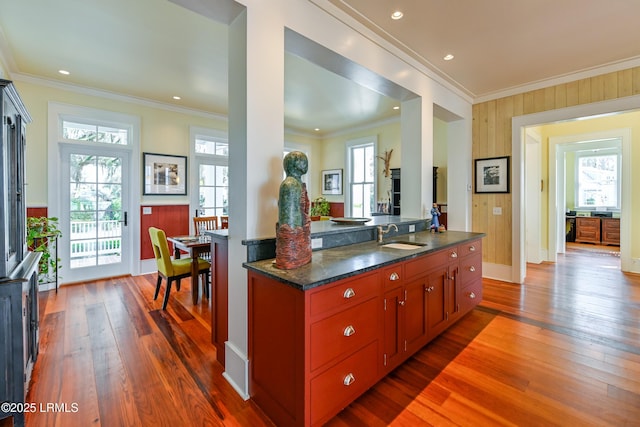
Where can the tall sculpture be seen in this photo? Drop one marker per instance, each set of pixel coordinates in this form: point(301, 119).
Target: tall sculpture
point(293, 230)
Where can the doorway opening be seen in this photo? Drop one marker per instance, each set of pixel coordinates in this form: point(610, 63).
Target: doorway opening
point(520, 167)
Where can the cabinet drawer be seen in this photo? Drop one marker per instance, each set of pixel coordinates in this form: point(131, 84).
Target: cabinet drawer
point(393, 276)
point(337, 387)
point(470, 269)
point(426, 263)
point(342, 333)
point(470, 296)
point(344, 294)
point(470, 248)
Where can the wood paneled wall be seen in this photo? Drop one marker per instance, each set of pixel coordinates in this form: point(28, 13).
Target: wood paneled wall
point(492, 138)
point(173, 219)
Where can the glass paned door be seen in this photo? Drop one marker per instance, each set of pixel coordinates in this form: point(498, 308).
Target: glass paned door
point(95, 223)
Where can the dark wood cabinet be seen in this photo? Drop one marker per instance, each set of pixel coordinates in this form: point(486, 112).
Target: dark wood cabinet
point(610, 231)
point(597, 230)
point(18, 267)
point(395, 191)
point(588, 230)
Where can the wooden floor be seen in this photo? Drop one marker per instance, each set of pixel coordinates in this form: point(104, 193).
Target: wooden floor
point(562, 349)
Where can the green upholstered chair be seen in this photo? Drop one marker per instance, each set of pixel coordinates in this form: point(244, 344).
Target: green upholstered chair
point(173, 269)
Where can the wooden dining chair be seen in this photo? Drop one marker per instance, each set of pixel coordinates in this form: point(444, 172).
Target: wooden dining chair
point(173, 269)
point(209, 223)
point(224, 222)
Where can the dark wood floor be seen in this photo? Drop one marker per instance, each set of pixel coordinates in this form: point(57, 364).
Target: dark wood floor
point(562, 349)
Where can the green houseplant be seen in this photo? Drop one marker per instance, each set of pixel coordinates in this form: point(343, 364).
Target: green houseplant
point(42, 233)
point(319, 207)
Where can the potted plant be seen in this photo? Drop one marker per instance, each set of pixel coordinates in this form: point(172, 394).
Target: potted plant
point(319, 207)
point(42, 233)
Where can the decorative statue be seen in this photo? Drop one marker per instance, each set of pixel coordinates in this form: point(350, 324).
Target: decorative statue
point(435, 221)
point(293, 230)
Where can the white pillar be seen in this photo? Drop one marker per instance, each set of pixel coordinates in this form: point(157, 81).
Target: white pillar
point(416, 180)
point(256, 143)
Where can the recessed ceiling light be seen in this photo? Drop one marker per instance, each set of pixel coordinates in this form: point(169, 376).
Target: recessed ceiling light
point(65, 72)
point(317, 129)
point(397, 107)
point(397, 15)
point(177, 98)
point(448, 57)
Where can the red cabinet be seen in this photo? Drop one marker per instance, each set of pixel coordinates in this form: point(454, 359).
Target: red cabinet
point(313, 352)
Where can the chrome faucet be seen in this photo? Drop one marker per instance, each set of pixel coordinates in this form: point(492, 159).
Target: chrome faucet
point(382, 232)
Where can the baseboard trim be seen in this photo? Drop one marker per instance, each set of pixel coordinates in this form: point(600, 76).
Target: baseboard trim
point(497, 271)
point(236, 369)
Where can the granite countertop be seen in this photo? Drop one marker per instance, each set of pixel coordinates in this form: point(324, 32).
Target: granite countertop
point(341, 262)
point(328, 227)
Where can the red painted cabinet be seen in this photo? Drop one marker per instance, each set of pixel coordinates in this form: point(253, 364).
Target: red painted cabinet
point(313, 352)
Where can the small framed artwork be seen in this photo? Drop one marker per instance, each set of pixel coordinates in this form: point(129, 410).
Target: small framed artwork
point(332, 181)
point(492, 175)
point(164, 174)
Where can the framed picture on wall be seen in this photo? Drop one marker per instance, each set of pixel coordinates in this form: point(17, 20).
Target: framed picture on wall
point(332, 181)
point(164, 174)
point(492, 175)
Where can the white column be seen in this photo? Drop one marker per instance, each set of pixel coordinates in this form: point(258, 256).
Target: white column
point(256, 143)
point(416, 180)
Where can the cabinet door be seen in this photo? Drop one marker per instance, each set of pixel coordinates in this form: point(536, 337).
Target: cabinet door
point(437, 298)
point(415, 311)
point(393, 340)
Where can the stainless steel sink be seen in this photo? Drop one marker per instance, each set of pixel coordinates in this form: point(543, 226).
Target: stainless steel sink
point(405, 246)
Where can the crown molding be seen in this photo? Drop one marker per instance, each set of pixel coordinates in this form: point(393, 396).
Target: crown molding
point(558, 80)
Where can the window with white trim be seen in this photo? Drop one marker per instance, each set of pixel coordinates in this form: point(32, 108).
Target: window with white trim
point(361, 174)
point(212, 162)
point(598, 178)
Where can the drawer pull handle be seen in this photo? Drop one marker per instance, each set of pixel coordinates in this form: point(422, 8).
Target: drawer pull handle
point(472, 269)
point(472, 248)
point(349, 379)
point(349, 293)
point(349, 330)
point(394, 276)
point(472, 295)
point(454, 254)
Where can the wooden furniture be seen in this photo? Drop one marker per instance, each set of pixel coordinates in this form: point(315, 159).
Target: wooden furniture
point(313, 352)
point(177, 269)
point(208, 222)
point(224, 222)
point(395, 191)
point(219, 294)
point(597, 230)
point(18, 268)
point(610, 232)
point(196, 247)
point(588, 229)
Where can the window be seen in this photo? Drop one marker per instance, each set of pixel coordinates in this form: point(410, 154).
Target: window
point(212, 160)
point(362, 177)
point(86, 131)
point(598, 177)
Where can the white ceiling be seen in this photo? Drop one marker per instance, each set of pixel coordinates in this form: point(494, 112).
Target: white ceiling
point(155, 49)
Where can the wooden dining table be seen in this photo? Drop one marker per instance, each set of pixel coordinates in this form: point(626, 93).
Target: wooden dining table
point(195, 246)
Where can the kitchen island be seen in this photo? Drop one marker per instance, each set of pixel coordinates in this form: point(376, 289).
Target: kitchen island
point(322, 334)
